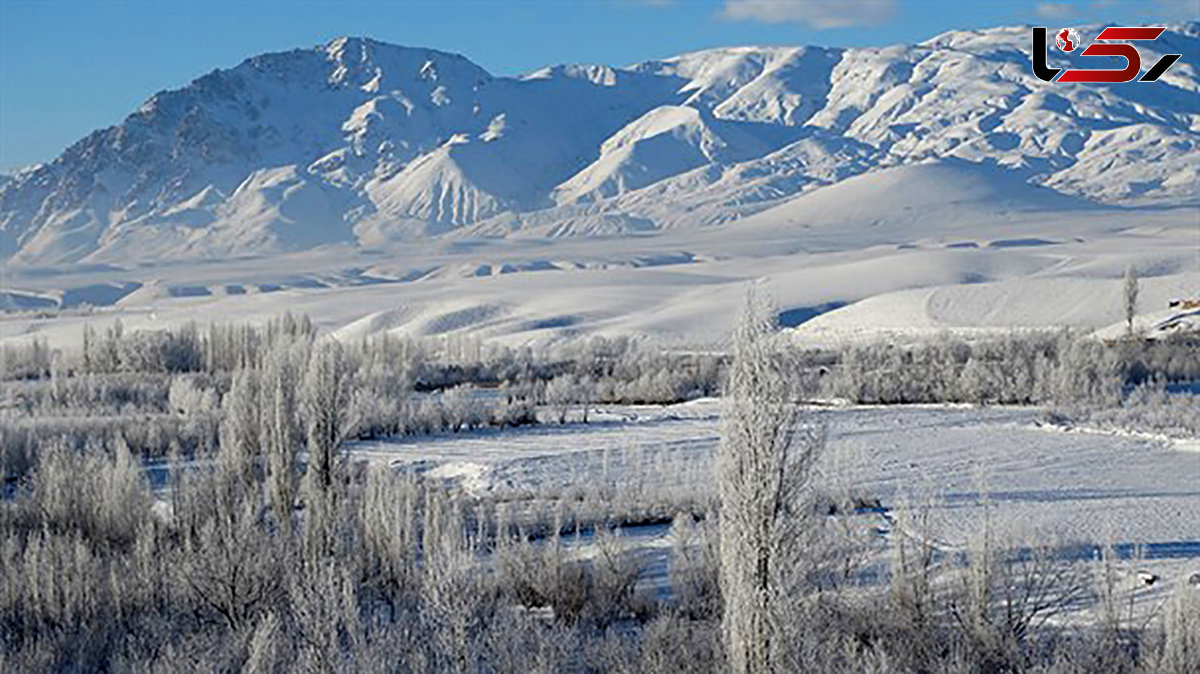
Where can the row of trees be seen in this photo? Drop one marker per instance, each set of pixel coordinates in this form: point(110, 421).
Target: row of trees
point(1021, 368)
point(416, 364)
point(1025, 367)
point(260, 388)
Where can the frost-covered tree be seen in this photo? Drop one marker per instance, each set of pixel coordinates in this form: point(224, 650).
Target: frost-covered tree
point(1130, 296)
point(560, 393)
point(279, 431)
point(325, 398)
point(1181, 632)
point(229, 568)
point(240, 426)
point(763, 468)
point(460, 408)
point(389, 510)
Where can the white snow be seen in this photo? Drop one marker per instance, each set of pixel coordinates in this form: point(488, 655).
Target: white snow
point(966, 463)
point(682, 287)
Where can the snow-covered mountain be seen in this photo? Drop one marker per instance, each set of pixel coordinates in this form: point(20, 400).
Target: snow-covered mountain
point(358, 140)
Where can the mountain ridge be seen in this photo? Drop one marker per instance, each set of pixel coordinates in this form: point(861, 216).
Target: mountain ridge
point(360, 140)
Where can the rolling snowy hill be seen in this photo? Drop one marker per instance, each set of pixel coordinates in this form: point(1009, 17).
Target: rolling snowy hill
point(361, 141)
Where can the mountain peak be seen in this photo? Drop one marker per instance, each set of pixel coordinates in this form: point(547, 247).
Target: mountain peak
point(348, 49)
point(366, 63)
point(338, 44)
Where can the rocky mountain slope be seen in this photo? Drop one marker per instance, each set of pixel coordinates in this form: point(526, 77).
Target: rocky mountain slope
point(367, 142)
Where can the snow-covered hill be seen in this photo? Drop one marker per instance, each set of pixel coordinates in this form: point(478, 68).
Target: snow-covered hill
point(928, 199)
point(362, 142)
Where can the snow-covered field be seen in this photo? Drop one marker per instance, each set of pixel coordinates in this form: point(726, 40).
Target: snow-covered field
point(1088, 489)
point(679, 287)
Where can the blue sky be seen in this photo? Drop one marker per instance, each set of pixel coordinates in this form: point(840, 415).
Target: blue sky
point(68, 67)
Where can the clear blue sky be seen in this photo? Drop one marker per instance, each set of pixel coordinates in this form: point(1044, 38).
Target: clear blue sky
point(68, 67)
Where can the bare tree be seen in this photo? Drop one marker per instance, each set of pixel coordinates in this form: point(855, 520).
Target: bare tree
point(460, 599)
point(1181, 633)
point(461, 408)
point(228, 567)
point(560, 393)
point(695, 567)
point(239, 426)
point(389, 509)
point(763, 470)
point(279, 434)
point(326, 403)
point(1131, 297)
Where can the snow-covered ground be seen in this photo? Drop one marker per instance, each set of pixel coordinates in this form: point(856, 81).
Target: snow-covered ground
point(988, 273)
point(1138, 493)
